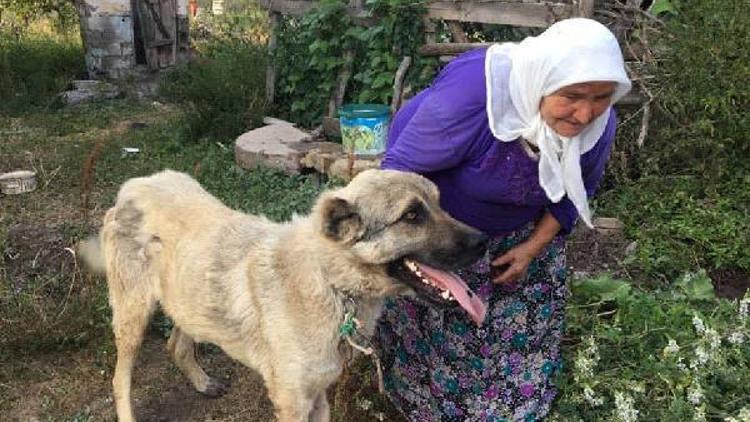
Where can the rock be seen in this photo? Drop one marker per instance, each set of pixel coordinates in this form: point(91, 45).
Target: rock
point(346, 168)
point(631, 248)
point(89, 90)
point(607, 225)
point(279, 146)
point(322, 157)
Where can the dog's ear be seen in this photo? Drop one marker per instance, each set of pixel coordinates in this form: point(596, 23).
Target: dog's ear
point(340, 220)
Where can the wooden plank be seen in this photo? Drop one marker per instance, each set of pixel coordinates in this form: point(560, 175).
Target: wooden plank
point(289, 7)
point(498, 12)
point(489, 11)
point(449, 49)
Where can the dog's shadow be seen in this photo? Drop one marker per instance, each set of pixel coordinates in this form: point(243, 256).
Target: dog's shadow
point(163, 394)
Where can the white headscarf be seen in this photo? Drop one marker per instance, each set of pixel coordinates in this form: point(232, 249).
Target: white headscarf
point(569, 52)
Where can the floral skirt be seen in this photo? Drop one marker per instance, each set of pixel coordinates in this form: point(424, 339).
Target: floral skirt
point(439, 366)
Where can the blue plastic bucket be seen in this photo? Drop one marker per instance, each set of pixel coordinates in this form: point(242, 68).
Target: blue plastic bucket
point(364, 128)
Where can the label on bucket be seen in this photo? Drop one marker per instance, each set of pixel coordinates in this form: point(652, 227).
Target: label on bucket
point(365, 136)
point(364, 128)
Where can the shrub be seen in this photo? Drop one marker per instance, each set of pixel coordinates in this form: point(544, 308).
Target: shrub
point(223, 90)
point(666, 356)
point(687, 208)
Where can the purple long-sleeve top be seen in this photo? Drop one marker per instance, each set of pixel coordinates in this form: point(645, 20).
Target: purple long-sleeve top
point(443, 133)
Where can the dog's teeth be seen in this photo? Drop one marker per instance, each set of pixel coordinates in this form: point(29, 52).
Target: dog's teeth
point(446, 294)
point(411, 265)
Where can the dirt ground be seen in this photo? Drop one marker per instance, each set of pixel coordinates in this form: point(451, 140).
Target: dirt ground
point(46, 375)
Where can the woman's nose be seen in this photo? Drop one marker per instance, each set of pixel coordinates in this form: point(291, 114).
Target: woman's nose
point(584, 113)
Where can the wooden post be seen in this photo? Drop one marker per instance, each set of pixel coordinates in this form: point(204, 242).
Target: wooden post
point(429, 30)
point(457, 31)
point(275, 20)
point(585, 8)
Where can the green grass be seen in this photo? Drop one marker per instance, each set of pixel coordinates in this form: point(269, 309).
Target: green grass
point(35, 67)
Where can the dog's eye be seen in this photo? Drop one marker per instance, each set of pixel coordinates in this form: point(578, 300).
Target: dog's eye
point(414, 214)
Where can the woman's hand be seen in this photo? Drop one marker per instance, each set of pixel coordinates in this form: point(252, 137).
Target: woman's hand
point(512, 266)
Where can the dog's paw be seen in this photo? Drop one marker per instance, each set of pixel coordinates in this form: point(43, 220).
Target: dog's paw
point(215, 388)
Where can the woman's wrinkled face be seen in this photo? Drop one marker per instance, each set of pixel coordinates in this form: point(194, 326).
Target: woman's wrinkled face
point(571, 108)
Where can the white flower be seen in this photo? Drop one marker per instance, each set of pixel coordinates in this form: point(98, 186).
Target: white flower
point(624, 412)
point(695, 394)
point(380, 416)
point(636, 387)
point(671, 348)
point(681, 365)
point(700, 414)
point(586, 359)
point(364, 403)
point(736, 338)
point(701, 357)
point(713, 338)
point(700, 328)
point(744, 308)
point(590, 397)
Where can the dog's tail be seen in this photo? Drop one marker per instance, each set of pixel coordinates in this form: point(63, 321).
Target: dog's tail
point(92, 255)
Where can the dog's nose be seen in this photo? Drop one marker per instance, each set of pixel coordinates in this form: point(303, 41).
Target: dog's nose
point(479, 242)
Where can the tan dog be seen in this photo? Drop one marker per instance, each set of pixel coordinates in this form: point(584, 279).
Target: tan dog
point(273, 296)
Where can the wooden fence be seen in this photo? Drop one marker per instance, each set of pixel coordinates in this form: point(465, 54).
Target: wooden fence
point(523, 13)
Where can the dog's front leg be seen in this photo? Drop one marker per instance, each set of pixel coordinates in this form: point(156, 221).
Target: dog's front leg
point(321, 411)
point(292, 405)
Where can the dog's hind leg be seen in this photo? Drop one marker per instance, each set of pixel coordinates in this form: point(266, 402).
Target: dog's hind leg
point(182, 349)
point(129, 321)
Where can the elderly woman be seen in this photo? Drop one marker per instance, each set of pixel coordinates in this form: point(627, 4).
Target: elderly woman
point(516, 137)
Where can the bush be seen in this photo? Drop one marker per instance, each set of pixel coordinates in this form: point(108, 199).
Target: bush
point(665, 356)
point(223, 91)
point(688, 208)
point(703, 127)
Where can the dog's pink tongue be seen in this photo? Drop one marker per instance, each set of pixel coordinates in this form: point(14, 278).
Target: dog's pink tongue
point(463, 294)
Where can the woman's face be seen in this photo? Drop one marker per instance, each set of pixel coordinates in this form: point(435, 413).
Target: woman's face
point(569, 109)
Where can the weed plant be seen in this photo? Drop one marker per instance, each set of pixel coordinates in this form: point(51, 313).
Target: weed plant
point(688, 200)
point(35, 65)
point(223, 90)
point(674, 355)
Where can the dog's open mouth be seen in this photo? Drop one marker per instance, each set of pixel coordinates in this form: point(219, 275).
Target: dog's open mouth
point(439, 287)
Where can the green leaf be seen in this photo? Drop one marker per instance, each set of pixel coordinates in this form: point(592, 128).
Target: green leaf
point(696, 286)
point(603, 288)
point(662, 6)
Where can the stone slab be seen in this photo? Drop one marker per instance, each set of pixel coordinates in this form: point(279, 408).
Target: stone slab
point(282, 146)
point(279, 146)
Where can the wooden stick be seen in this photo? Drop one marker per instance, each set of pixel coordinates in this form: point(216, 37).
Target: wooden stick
point(398, 83)
point(274, 20)
point(586, 8)
point(337, 96)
